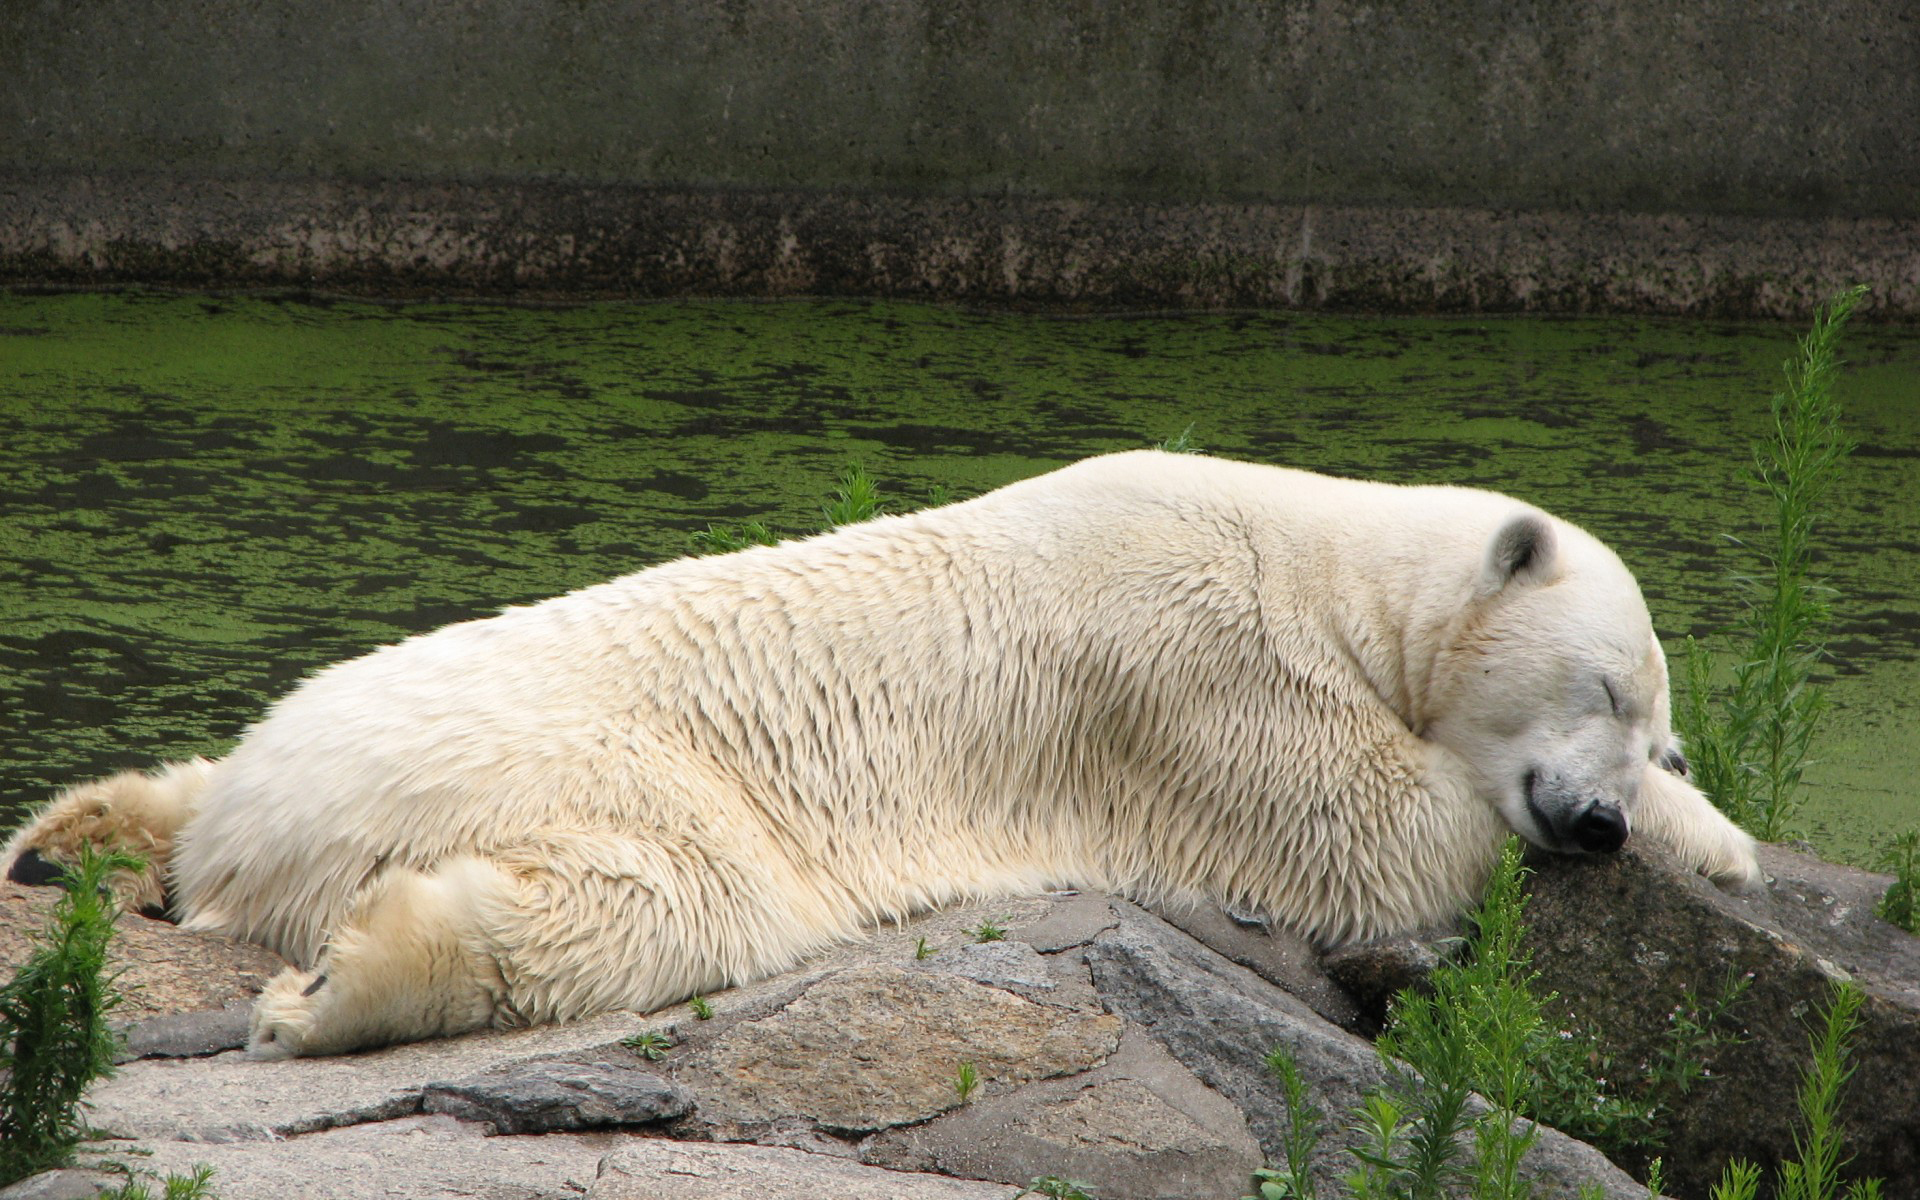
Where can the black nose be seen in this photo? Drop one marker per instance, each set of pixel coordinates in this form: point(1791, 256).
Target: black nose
point(1601, 829)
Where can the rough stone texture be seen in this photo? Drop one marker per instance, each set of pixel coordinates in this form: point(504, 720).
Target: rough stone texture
point(1220, 1020)
point(1278, 956)
point(229, 1098)
point(1141, 1125)
point(538, 238)
point(190, 1034)
point(164, 969)
point(875, 1047)
point(1015, 966)
point(74, 1184)
point(1070, 920)
point(542, 1097)
point(1371, 974)
point(655, 1170)
point(1621, 939)
point(413, 1158)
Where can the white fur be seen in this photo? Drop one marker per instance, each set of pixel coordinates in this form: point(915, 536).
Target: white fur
point(1162, 675)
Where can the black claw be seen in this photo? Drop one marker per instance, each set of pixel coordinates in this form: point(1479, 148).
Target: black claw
point(34, 871)
point(319, 981)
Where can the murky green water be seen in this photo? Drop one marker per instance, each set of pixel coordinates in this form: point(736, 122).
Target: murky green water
point(202, 499)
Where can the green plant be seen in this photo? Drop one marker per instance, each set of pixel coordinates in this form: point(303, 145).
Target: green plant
point(988, 931)
point(1901, 904)
point(1814, 1172)
point(702, 1008)
point(649, 1045)
point(1379, 1123)
point(197, 1186)
point(1750, 751)
point(1739, 1180)
point(1695, 1030)
point(1302, 1134)
point(922, 951)
point(1056, 1188)
point(1483, 1020)
point(855, 500)
point(724, 539)
point(965, 1081)
point(1179, 443)
point(55, 1039)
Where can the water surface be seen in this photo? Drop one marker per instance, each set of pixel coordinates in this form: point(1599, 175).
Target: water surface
point(202, 499)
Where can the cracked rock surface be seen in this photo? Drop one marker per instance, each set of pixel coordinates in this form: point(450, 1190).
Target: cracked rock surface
point(1107, 1044)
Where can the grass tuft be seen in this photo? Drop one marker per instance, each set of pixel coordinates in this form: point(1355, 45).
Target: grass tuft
point(650, 1045)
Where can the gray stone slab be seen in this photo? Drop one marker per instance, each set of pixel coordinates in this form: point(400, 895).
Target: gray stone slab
point(874, 1047)
point(1277, 955)
point(1140, 1127)
point(229, 1097)
point(548, 1096)
point(1069, 920)
point(659, 1170)
point(189, 1034)
point(414, 1158)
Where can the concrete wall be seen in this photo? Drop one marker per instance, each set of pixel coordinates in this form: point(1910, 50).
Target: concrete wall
point(270, 140)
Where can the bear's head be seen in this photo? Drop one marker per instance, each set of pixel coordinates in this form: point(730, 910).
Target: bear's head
point(1552, 688)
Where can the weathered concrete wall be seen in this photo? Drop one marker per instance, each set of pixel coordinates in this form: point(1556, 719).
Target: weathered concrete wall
point(1767, 149)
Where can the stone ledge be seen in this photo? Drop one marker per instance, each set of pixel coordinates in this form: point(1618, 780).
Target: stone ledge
point(549, 240)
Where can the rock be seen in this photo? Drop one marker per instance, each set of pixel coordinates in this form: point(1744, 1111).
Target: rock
point(418, 1156)
point(661, 1170)
point(1141, 1127)
point(548, 1095)
point(1072, 919)
point(189, 1034)
point(1274, 954)
point(1220, 1020)
point(874, 1047)
point(1373, 973)
point(72, 1184)
point(163, 969)
point(229, 1098)
point(1014, 966)
point(1624, 938)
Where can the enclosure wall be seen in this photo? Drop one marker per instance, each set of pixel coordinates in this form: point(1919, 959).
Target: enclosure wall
point(1628, 153)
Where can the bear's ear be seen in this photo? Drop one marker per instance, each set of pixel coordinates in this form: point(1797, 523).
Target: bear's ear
point(1523, 550)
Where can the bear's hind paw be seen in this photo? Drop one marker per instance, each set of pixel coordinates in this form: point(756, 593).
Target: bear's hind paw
point(284, 1015)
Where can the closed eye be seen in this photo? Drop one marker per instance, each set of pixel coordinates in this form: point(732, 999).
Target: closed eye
point(1613, 697)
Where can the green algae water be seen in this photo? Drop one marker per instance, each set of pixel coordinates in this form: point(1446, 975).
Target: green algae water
point(202, 500)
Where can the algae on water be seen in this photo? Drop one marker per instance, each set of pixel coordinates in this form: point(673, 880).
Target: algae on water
point(203, 499)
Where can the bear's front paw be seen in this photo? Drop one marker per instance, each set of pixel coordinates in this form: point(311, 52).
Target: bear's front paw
point(285, 1013)
point(1737, 869)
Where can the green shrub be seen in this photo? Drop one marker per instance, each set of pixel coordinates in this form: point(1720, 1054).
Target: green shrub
point(55, 1039)
point(1814, 1171)
point(1749, 749)
point(1901, 904)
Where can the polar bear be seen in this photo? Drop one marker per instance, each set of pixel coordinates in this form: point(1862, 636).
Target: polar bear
point(1168, 676)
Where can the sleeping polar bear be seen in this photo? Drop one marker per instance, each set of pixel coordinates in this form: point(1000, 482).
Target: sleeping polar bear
point(1162, 675)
